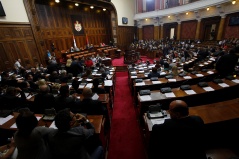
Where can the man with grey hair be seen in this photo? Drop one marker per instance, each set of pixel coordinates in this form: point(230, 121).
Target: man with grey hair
point(43, 100)
point(90, 106)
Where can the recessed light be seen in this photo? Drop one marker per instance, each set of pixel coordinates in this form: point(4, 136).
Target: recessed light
point(92, 7)
point(169, 16)
point(207, 8)
point(187, 13)
point(57, 1)
point(76, 4)
point(104, 9)
point(233, 2)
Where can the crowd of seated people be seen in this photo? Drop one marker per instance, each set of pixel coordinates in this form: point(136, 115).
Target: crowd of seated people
point(45, 84)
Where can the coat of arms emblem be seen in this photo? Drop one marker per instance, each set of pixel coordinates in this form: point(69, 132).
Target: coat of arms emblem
point(78, 26)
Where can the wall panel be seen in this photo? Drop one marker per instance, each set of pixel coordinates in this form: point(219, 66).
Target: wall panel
point(148, 32)
point(188, 29)
point(17, 41)
point(125, 36)
point(231, 31)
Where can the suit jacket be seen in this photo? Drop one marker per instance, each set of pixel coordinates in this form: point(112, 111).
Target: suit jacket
point(71, 144)
point(182, 138)
point(90, 107)
point(42, 102)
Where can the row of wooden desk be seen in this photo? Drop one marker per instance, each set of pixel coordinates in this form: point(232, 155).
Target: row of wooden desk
point(221, 123)
point(196, 96)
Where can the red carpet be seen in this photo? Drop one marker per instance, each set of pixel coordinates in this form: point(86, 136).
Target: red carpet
point(120, 61)
point(125, 138)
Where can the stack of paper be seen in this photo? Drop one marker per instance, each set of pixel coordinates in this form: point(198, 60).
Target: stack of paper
point(4, 120)
point(145, 98)
point(223, 85)
point(95, 97)
point(199, 75)
point(189, 92)
point(140, 84)
point(172, 80)
point(187, 77)
point(108, 83)
point(170, 95)
point(235, 80)
point(89, 85)
point(208, 89)
point(156, 82)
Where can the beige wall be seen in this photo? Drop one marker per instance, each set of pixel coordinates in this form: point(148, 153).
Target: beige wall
point(125, 8)
point(15, 11)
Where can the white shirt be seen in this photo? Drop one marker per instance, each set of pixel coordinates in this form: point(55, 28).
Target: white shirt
point(17, 65)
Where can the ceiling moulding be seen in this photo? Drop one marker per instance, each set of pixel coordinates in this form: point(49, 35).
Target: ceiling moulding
point(180, 9)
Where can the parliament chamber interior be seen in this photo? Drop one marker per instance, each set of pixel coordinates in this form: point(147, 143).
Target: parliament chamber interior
point(119, 79)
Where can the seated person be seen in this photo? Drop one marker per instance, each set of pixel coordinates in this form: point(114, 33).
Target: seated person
point(88, 63)
point(70, 139)
point(10, 100)
point(175, 71)
point(96, 89)
point(64, 100)
point(88, 74)
point(154, 73)
point(43, 100)
point(171, 139)
point(29, 138)
point(90, 106)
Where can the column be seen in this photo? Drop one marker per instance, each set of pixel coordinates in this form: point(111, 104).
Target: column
point(179, 31)
point(198, 29)
point(221, 28)
point(144, 6)
point(156, 32)
point(140, 31)
point(161, 31)
point(140, 6)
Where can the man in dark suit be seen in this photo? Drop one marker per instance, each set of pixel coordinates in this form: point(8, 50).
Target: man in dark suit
point(90, 106)
point(43, 100)
point(226, 63)
point(64, 100)
point(172, 139)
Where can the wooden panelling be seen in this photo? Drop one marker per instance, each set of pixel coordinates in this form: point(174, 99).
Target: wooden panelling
point(125, 36)
point(57, 27)
point(148, 32)
point(231, 31)
point(17, 41)
point(188, 29)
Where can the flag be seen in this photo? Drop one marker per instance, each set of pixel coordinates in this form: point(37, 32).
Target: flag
point(87, 40)
point(74, 40)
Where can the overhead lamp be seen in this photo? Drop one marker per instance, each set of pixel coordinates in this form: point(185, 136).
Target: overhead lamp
point(77, 4)
point(104, 9)
point(187, 13)
point(146, 19)
point(92, 7)
point(169, 16)
point(207, 8)
point(57, 1)
point(233, 2)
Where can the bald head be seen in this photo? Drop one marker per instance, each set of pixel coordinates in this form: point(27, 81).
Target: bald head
point(87, 92)
point(178, 109)
point(44, 88)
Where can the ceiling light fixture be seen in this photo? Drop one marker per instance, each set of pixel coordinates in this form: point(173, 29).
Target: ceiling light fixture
point(104, 9)
point(77, 4)
point(57, 1)
point(207, 8)
point(92, 7)
point(187, 13)
point(169, 16)
point(233, 2)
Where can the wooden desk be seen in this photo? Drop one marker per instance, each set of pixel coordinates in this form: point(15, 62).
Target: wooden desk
point(201, 97)
point(221, 122)
point(210, 113)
